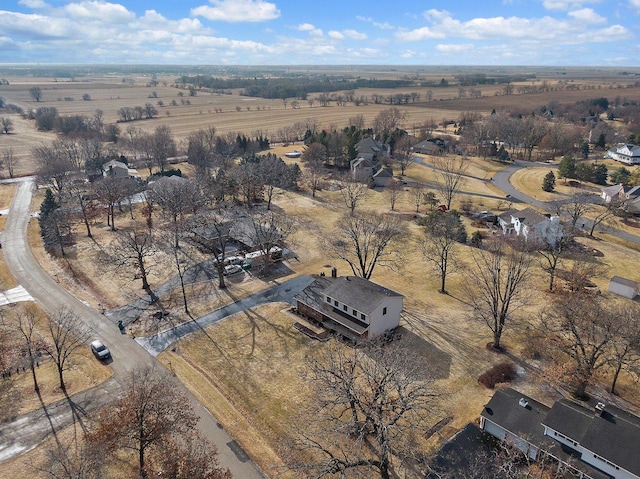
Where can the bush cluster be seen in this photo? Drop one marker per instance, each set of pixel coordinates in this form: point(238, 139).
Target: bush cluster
point(500, 373)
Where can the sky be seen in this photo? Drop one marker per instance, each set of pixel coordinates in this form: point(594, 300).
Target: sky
point(322, 32)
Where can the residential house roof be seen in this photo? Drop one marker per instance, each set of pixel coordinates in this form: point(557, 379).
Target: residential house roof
point(383, 173)
point(361, 163)
point(529, 216)
point(114, 164)
point(624, 281)
point(612, 191)
point(612, 434)
point(359, 293)
point(370, 145)
point(627, 149)
point(428, 146)
point(505, 410)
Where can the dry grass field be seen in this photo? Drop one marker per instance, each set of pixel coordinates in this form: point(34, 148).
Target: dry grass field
point(247, 368)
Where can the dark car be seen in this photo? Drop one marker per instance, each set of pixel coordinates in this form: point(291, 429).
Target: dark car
point(99, 350)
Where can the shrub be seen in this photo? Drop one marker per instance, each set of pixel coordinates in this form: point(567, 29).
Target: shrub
point(500, 373)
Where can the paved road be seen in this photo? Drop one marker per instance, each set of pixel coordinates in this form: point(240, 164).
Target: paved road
point(25, 432)
point(502, 180)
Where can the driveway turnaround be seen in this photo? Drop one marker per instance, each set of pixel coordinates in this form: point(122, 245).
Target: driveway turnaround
point(283, 292)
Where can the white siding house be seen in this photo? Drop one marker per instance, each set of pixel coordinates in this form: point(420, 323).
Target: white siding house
point(531, 225)
point(353, 307)
point(625, 153)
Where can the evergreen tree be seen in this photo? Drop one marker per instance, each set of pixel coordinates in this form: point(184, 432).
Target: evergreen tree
point(602, 141)
point(621, 175)
point(600, 174)
point(567, 167)
point(549, 182)
point(503, 155)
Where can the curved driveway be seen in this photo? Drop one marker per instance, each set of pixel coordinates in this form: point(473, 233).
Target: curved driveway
point(127, 354)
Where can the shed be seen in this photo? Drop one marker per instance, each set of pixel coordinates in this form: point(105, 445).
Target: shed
point(623, 287)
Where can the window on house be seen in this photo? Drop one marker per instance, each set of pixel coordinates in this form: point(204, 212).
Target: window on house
point(328, 299)
point(355, 313)
point(384, 310)
point(362, 316)
point(335, 303)
point(345, 308)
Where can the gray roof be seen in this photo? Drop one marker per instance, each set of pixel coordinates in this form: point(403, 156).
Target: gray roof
point(504, 409)
point(614, 434)
point(624, 281)
point(529, 216)
point(383, 173)
point(369, 145)
point(114, 164)
point(359, 293)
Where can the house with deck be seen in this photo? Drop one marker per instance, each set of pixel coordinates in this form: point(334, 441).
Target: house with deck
point(353, 307)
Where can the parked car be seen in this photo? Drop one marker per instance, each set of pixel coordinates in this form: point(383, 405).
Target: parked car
point(99, 350)
point(232, 269)
point(234, 260)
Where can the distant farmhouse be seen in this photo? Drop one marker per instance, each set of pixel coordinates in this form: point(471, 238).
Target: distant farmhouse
point(354, 307)
point(625, 153)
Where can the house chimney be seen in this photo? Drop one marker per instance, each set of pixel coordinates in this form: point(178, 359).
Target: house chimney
point(334, 272)
point(599, 409)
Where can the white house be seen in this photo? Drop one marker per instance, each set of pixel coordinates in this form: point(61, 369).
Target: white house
point(625, 153)
point(362, 169)
point(589, 442)
point(354, 307)
point(115, 169)
point(531, 225)
point(623, 287)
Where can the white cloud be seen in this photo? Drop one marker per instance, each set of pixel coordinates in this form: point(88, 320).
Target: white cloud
point(587, 15)
point(97, 10)
point(35, 4)
point(381, 26)
point(351, 34)
point(566, 4)
point(635, 4)
point(455, 48)
point(238, 11)
point(307, 27)
point(424, 33)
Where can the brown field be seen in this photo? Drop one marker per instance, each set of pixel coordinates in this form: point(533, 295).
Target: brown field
point(246, 369)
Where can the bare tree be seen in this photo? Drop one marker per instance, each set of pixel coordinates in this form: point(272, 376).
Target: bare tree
point(403, 153)
point(369, 403)
point(110, 191)
point(394, 188)
point(603, 214)
point(625, 346)
point(313, 158)
point(132, 249)
point(266, 230)
point(81, 196)
point(365, 240)
point(579, 328)
point(417, 196)
point(449, 177)
point(163, 146)
point(9, 161)
point(151, 412)
point(200, 149)
point(53, 167)
point(177, 197)
point(388, 120)
point(501, 274)
point(352, 191)
point(275, 173)
point(68, 335)
point(443, 233)
point(210, 229)
point(36, 93)
point(575, 208)
point(551, 253)
point(6, 125)
point(27, 320)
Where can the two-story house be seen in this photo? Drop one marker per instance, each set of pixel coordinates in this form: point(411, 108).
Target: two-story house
point(595, 443)
point(531, 225)
point(625, 153)
point(354, 307)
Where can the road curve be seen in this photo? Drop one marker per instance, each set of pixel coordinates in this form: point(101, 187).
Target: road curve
point(127, 354)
